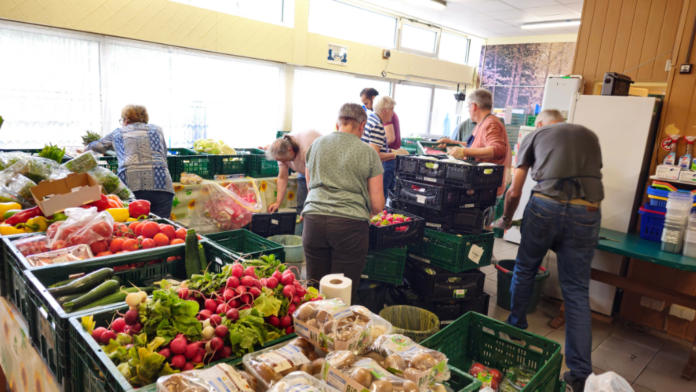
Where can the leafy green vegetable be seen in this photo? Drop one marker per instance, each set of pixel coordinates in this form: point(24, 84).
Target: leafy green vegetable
point(166, 315)
point(52, 152)
point(146, 363)
point(267, 306)
point(248, 330)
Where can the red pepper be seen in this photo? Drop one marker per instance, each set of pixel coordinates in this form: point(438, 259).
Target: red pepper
point(139, 208)
point(24, 216)
point(101, 204)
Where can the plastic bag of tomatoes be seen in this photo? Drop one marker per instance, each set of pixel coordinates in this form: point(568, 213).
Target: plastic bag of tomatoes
point(83, 226)
point(489, 377)
point(222, 208)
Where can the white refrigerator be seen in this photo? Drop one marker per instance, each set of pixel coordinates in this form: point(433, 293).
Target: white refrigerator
point(626, 128)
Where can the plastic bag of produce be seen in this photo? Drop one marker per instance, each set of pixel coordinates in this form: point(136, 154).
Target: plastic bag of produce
point(8, 159)
point(226, 208)
point(270, 365)
point(22, 187)
point(35, 168)
point(221, 377)
point(111, 183)
point(346, 372)
point(301, 382)
point(59, 256)
point(407, 359)
point(190, 178)
point(489, 377)
point(215, 147)
point(81, 163)
point(7, 196)
point(32, 244)
point(334, 326)
point(83, 226)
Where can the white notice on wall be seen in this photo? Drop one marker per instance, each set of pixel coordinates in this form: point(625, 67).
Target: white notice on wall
point(337, 55)
point(475, 253)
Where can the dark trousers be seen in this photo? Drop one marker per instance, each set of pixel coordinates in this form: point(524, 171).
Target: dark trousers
point(301, 193)
point(334, 245)
point(389, 177)
point(160, 202)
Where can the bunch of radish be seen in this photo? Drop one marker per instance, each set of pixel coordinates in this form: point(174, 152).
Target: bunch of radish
point(128, 324)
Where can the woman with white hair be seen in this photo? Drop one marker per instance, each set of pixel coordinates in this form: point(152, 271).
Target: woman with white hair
point(290, 152)
point(376, 136)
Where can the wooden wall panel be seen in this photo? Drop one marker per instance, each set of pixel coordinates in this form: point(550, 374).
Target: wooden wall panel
point(618, 35)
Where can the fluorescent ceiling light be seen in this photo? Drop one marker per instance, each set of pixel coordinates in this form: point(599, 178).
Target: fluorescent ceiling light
point(552, 23)
point(436, 4)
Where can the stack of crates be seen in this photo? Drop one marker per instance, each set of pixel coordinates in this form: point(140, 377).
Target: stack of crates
point(452, 197)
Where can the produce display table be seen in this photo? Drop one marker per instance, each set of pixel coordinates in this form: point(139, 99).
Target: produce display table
point(186, 195)
point(631, 245)
point(20, 363)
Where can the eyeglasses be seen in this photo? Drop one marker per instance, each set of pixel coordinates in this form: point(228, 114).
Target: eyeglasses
point(120, 121)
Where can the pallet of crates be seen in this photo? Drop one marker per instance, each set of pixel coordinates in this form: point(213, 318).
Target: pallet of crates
point(475, 338)
point(50, 329)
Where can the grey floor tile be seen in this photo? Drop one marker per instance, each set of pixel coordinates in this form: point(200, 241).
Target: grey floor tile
point(558, 336)
point(498, 313)
point(638, 388)
point(665, 381)
point(493, 277)
point(488, 270)
point(641, 337)
point(622, 357)
point(490, 286)
point(509, 254)
point(502, 245)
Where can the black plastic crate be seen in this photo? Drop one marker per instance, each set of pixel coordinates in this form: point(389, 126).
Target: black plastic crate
point(427, 195)
point(50, 334)
point(467, 174)
point(431, 282)
point(447, 310)
point(386, 265)
point(3, 285)
point(383, 237)
point(465, 221)
point(277, 223)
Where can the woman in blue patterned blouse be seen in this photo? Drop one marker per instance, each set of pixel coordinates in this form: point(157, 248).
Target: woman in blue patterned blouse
point(142, 158)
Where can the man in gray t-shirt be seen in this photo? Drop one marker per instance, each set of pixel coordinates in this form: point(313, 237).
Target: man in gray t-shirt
point(563, 215)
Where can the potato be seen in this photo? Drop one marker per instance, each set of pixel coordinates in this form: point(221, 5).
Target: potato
point(381, 386)
point(438, 356)
point(376, 357)
point(410, 386)
point(267, 373)
point(362, 376)
point(423, 361)
point(306, 312)
point(317, 365)
point(312, 355)
point(342, 359)
point(395, 362)
point(412, 374)
point(303, 345)
point(307, 368)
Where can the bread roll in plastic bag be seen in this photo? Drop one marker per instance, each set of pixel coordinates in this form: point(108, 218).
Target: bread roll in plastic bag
point(407, 359)
point(219, 378)
point(301, 382)
point(224, 208)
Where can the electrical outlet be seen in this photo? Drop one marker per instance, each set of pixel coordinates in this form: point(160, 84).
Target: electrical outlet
point(386, 54)
point(685, 69)
point(668, 65)
point(682, 312)
point(652, 303)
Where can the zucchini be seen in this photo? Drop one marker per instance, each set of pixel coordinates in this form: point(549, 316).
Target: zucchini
point(116, 297)
point(193, 263)
point(100, 291)
point(203, 259)
point(84, 283)
point(61, 283)
point(66, 298)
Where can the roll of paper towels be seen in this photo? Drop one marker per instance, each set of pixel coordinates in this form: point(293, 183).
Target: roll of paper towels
point(336, 286)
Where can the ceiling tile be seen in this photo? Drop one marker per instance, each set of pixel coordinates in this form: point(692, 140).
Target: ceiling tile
point(456, 9)
point(488, 6)
point(577, 7)
point(572, 29)
point(471, 16)
point(567, 1)
point(548, 10)
point(491, 25)
point(507, 14)
point(548, 31)
point(530, 3)
point(561, 16)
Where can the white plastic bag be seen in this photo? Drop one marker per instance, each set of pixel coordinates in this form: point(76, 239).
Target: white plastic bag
point(607, 382)
point(83, 226)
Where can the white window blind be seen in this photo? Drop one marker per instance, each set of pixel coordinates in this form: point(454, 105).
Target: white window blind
point(335, 19)
point(318, 95)
point(50, 86)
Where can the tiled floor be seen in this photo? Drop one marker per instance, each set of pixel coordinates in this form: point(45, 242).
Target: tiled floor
point(650, 360)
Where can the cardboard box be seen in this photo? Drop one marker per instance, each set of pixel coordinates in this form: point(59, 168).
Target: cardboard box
point(73, 191)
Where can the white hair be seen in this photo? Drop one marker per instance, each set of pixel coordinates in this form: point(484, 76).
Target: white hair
point(549, 116)
point(482, 98)
point(383, 102)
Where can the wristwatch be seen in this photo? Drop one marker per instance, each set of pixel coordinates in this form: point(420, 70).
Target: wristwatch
point(506, 219)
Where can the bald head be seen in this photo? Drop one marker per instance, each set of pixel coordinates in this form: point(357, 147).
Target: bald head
point(548, 117)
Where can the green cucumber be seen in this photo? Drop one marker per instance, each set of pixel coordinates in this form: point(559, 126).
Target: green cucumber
point(84, 283)
point(193, 262)
point(96, 293)
point(203, 259)
point(61, 283)
point(116, 297)
point(66, 298)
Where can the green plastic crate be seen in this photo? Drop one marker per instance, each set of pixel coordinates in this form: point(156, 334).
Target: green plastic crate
point(184, 160)
point(257, 165)
point(280, 134)
point(420, 146)
point(477, 338)
point(409, 143)
point(93, 371)
point(111, 163)
point(228, 164)
point(247, 245)
point(454, 252)
point(385, 265)
point(531, 120)
point(50, 330)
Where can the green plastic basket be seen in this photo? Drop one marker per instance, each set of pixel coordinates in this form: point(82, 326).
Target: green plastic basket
point(280, 134)
point(228, 164)
point(453, 252)
point(111, 163)
point(461, 381)
point(93, 371)
point(385, 265)
point(531, 120)
point(477, 338)
point(257, 165)
point(184, 160)
point(247, 245)
point(50, 331)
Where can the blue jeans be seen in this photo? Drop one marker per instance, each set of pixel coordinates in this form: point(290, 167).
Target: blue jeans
point(389, 177)
point(301, 193)
point(572, 232)
point(160, 202)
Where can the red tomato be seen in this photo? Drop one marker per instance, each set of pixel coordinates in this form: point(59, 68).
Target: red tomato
point(176, 241)
point(106, 253)
point(52, 229)
point(99, 247)
point(476, 369)
point(134, 225)
point(139, 228)
point(181, 233)
point(161, 239)
point(168, 230)
point(130, 245)
point(78, 239)
point(496, 374)
point(174, 258)
point(150, 229)
point(59, 244)
point(148, 243)
point(116, 245)
point(67, 232)
point(123, 251)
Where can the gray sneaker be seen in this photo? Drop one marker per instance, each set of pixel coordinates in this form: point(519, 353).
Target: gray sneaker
point(573, 385)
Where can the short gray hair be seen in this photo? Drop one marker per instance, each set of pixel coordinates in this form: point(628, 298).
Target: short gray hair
point(383, 102)
point(352, 111)
point(482, 98)
point(280, 148)
point(549, 116)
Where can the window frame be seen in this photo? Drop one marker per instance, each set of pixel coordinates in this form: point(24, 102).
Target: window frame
point(400, 47)
point(468, 46)
point(432, 88)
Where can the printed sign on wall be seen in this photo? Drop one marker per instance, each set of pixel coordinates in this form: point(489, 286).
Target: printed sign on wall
point(338, 55)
